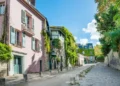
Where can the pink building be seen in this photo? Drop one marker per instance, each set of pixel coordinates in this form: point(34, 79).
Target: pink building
point(24, 26)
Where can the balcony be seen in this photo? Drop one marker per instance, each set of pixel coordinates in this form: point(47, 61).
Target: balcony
point(28, 30)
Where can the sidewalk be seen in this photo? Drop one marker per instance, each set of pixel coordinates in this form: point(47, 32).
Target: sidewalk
point(34, 76)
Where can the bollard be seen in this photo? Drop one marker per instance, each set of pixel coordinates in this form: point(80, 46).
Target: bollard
point(2, 81)
point(25, 77)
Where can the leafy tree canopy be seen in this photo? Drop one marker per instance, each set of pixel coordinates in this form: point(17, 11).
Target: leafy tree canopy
point(108, 24)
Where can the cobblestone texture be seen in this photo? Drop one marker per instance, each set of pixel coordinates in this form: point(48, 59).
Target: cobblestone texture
point(101, 75)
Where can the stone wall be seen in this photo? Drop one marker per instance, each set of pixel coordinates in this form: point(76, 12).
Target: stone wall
point(3, 69)
point(113, 60)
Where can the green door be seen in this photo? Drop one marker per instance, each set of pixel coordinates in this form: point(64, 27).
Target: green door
point(17, 64)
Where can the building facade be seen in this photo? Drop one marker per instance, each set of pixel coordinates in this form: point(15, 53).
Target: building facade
point(56, 33)
point(24, 26)
point(88, 52)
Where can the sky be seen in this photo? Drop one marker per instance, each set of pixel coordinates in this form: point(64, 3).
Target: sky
point(76, 15)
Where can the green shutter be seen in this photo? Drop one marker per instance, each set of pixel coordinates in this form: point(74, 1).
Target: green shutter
point(12, 35)
point(23, 16)
point(23, 39)
point(39, 45)
point(33, 24)
point(33, 43)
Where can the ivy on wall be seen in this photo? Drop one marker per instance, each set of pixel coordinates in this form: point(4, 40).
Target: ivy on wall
point(46, 41)
point(87, 52)
point(70, 47)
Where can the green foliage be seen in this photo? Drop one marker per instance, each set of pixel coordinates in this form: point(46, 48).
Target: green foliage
point(56, 43)
point(70, 47)
point(46, 41)
point(5, 53)
point(58, 59)
point(87, 52)
point(98, 50)
point(108, 24)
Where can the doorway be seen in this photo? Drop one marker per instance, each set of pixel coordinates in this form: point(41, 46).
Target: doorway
point(17, 64)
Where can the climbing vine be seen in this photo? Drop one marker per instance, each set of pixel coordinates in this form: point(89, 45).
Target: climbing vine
point(46, 41)
point(70, 47)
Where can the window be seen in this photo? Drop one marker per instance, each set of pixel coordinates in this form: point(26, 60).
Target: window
point(28, 21)
point(23, 39)
point(15, 37)
point(55, 37)
point(18, 37)
point(54, 33)
point(2, 8)
point(35, 44)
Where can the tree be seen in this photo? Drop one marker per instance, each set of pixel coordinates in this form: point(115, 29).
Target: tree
point(98, 50)
point(108, 24)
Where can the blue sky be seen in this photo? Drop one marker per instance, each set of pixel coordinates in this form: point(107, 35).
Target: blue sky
point(76, 15)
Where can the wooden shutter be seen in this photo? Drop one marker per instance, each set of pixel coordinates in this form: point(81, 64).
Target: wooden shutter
point(23, 40)
point(12, 35)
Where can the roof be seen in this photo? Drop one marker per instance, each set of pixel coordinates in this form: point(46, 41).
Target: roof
point(33, 9)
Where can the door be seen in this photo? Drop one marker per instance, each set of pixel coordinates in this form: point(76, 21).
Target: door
point(17, 64)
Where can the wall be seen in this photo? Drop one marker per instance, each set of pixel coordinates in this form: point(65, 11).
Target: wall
point(113, 60)
point(3, 69)
point(81, 60)
point(30, 57)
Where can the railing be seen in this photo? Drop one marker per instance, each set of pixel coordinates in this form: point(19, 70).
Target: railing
point(27, 29)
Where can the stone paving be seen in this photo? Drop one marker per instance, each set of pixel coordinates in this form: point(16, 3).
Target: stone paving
point(101, 75)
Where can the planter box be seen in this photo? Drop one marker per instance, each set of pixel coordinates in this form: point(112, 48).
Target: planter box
point(2, 81)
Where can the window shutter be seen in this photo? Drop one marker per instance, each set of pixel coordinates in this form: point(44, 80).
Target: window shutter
point(23, 16)
point(12, 35)
point(33, 43)
point(39, 46)
point(2, 10)
point(23, 40)
point(33, 24)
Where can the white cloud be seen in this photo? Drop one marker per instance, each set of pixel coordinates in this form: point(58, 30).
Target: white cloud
point(98, 43)
point(83, 41)
point(91, 28)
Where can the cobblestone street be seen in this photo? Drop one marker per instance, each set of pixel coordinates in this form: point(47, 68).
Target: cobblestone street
point(101, 75)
